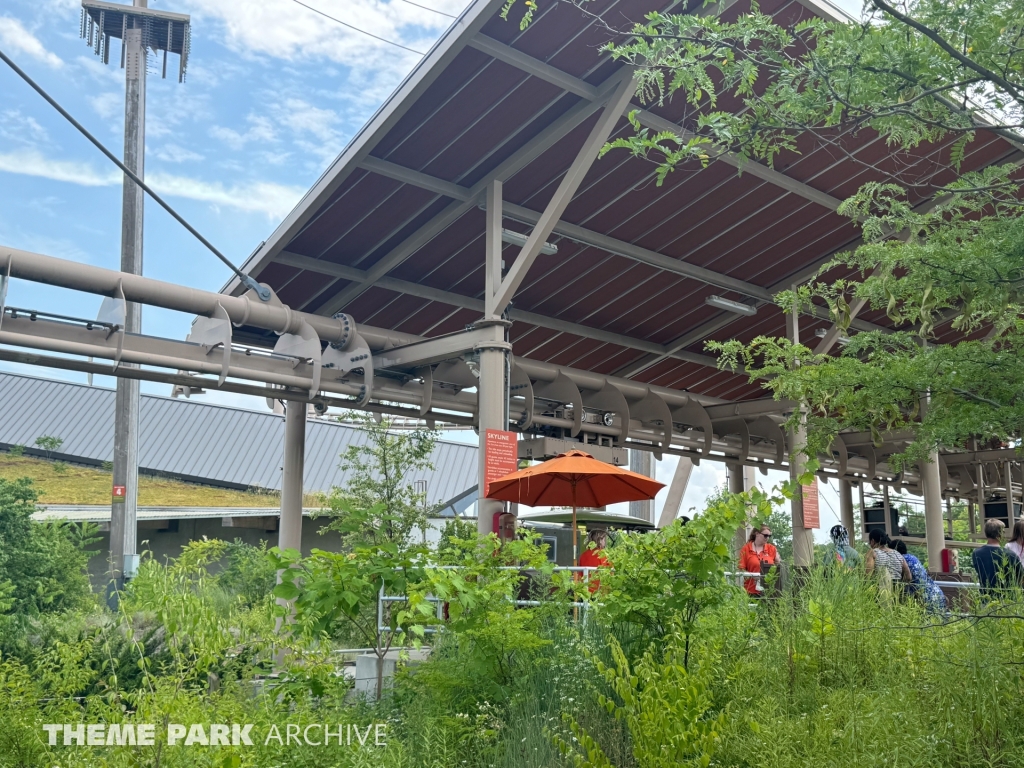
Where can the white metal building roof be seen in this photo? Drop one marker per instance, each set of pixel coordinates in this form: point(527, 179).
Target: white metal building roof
point(199, 442)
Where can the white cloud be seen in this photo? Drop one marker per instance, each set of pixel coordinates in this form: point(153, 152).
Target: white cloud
point(21, 128)
point(260, 130)
point(303, 117)
point(286, 30)
point(32, 162)
point(15, 37)
point(269, 198)
point(108, 105)
point(172, 153)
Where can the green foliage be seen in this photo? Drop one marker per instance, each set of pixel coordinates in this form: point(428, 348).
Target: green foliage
point(49, 443)
point(668, 578)
point(380, 483)
point(781, 523)
point(458, 538)
point(332, 593)
point(832, 672)
point(668, 710)
point(16, 450)
point(42, 565)
point(60, 467)
point(248, 572)
point(479, 595)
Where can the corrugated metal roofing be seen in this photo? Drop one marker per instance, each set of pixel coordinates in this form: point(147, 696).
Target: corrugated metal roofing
point(200, 442)
point(464, 112)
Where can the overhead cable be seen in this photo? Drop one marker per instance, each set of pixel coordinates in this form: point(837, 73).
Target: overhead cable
point(361, 31)
point(248, 280)
point(432, 10)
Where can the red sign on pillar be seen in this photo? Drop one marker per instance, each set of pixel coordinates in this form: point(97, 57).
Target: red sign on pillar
point(501, 456)
point(117, 496)
point(812, 517)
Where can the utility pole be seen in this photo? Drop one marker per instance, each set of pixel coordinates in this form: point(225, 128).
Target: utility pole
point(140, 30)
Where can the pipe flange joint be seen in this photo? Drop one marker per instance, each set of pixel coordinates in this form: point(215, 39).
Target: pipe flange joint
point(504, 346)
point(485, 322)
point(347, 329)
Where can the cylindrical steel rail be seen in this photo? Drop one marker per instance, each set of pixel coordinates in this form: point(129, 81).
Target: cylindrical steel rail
point(274, 316)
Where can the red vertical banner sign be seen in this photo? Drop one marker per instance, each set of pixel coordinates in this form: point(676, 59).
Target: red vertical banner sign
point(812, 517)
point(501, 456)
point(117, 495)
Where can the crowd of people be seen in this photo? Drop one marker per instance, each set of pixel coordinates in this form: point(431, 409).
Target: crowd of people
point(998, 568)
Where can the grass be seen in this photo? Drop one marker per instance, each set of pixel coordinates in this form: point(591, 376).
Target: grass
point(85, 485)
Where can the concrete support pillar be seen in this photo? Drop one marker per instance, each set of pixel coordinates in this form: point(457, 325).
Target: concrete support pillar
point(846, 508)
point(642, 462)
point(933, 524)
point(290, 529)
point(124, 507)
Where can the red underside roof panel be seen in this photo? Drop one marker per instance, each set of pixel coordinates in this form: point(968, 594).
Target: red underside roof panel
point(477, 112)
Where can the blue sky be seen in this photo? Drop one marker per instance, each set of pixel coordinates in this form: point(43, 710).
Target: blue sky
point(273, 94)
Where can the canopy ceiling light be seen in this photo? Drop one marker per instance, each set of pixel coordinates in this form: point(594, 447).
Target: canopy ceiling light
point(515, 238)
point(731, 306)
point(842, 341)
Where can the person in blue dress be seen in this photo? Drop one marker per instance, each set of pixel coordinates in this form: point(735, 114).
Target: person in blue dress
point(922, 585)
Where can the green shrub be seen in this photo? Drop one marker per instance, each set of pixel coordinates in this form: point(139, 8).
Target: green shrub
point(42, 564)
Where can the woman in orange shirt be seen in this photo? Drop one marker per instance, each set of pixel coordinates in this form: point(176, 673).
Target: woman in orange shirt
point(757, 552)
point(593, 556)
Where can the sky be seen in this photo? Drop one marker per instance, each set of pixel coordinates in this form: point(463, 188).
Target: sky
point(274, 92)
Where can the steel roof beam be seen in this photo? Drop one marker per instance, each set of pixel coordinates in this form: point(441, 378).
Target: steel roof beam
point(563, 195)
point(521, 158)
point(469, 302)
point(574, 232)
point(567, 82)
point(565, 229)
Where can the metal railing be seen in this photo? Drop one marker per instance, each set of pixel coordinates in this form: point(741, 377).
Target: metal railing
point(382, 598)
point(734, 577)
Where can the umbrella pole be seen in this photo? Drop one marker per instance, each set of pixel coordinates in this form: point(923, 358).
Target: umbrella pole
point(575, 556)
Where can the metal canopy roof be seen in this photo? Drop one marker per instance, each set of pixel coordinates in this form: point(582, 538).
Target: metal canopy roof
point(393, 232)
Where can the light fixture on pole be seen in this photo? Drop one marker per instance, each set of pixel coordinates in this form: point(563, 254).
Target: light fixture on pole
point(142, 30)
point(731, 306)
point(842, 341)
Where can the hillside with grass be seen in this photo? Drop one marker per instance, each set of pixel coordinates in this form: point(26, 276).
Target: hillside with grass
point(60, 483)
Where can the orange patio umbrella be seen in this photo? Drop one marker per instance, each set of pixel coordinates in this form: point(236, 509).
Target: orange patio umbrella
point(574, 479)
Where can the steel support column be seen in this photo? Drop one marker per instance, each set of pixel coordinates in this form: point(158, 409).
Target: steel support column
point(931, 489)
point(933, 526)
point(493, 387)
point(803, 538)
point(846, 507)
point(736, 485)
point(642, 462)
point(492, 411)
point(676, 491)
point(123, 527)
point(599, 134)
point(290, 530)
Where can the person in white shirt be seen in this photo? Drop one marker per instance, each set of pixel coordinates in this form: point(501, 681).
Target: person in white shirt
point(1016, 542)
